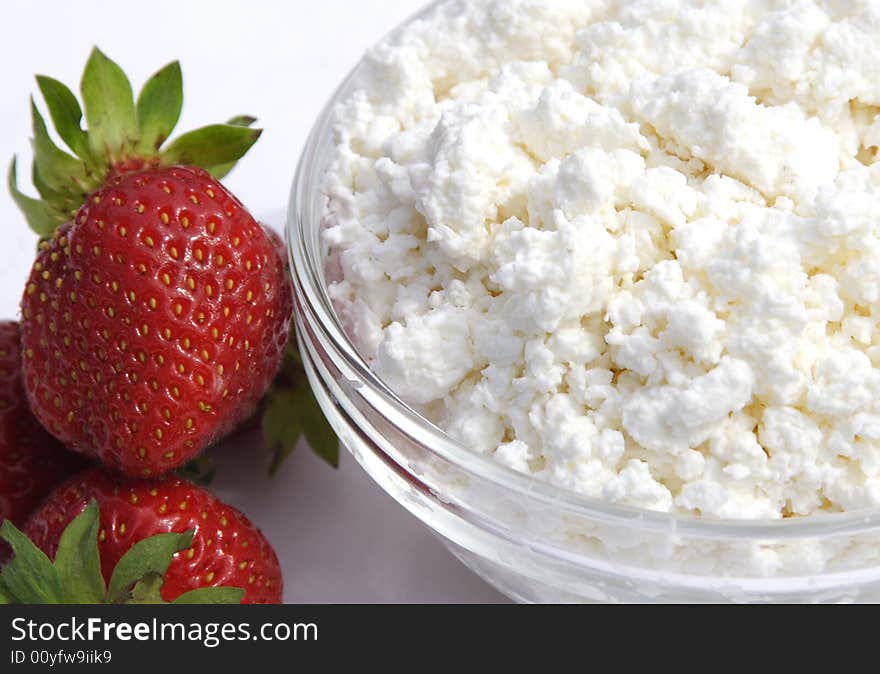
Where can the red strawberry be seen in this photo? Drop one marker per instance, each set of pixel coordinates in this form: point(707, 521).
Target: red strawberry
point(157, 310)
point(227, 550)
point(155, 322)
point(32, 462)
point(155, 319)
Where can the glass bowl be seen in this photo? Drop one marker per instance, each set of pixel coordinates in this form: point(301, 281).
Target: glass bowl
point(531, 540)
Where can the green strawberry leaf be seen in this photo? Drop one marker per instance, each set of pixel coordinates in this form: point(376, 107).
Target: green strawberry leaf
point(242, 120)
point(66, 115)
point(221, 170)
point(40, 216)
point(290, 411)
point(158, 107)
point(29, 577)
point(319, 434)
point(282, 428)
point(109, 107)
point(151, 555)
point(211, 595)
point(148, 590)
point(60, 171)
point(77, 560)
point(5, 598)
point(45, 191)
point(211, 145)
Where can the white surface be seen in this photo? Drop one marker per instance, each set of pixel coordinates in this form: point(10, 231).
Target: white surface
point(340, 537)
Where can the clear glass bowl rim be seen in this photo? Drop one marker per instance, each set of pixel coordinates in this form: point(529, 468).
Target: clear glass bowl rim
point(305, 253)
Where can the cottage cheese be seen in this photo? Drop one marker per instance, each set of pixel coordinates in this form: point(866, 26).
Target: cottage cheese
point(630, 248)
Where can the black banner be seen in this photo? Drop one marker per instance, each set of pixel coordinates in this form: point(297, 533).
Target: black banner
point(409, 638)
point(243, 638)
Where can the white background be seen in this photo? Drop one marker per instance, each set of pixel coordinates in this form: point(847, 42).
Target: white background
point(340, 538)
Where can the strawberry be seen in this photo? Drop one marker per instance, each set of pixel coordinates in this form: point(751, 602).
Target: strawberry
point(102, 372)
point(157, 311)
point(32, 462)
point(154, 322)
point(216, 546)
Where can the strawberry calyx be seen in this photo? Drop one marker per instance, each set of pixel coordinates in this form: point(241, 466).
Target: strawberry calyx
point(123, 134)
point(74, 577)
point(290, 413)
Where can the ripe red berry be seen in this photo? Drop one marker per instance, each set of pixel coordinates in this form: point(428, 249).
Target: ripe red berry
point(227, 550)
point(157, 310)
point(154, 322)
point(32, 462)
